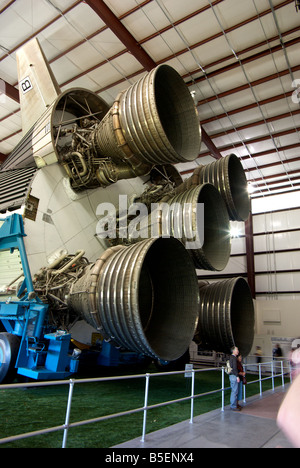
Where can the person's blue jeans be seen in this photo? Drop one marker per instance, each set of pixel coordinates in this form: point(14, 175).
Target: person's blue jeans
point(240, 391)
point(234, 391)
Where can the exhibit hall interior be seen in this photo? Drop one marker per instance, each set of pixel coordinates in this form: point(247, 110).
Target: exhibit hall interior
point(149, 222)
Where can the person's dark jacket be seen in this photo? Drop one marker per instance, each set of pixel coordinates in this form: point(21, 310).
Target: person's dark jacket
point(233, 365)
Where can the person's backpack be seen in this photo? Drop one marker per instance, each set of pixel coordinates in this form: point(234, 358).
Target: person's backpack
point(228, 368)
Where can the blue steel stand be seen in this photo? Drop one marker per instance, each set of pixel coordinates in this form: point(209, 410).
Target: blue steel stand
point(42, 354)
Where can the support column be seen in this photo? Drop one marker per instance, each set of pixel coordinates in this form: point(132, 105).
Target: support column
point(250, 254)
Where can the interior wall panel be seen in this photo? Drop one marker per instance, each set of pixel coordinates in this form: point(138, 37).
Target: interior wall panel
point(277, 241)
point(277, 261)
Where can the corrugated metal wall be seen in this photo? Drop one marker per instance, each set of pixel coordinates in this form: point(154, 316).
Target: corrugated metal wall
point(276, 236)
point(15, 187)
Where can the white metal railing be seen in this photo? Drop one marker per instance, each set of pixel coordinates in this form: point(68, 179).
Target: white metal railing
point(252, 364)
point(273, 365)
point(191, 374)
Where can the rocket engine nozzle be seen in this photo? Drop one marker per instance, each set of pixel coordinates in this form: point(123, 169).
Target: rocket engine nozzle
point(228, 176)
point(144, 297)
point(226, 316)
point(199, 219)
point(153, 122)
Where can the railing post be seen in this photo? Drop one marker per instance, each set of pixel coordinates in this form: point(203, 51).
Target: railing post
point(145, 407)
point(244, 393)
point(291, 373)
point(260, 384)
point(223, 388)
point(67, 420)
point(282, 374)
point(192, 395)
point(273, 375)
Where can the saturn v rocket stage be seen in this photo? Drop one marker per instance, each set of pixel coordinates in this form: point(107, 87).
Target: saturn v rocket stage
point(78, 154)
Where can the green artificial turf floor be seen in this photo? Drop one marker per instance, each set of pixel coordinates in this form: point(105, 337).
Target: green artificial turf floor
point(35, 408)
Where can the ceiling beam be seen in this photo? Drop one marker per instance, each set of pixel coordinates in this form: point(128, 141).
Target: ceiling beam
point(270, 193)
point(258, 45)
point(211, 98)
point(227, 31)
point(240, 143)
point(244, 61)
point(7, 6)
point(282, 175)
point(237, 89)
point(279, 189)
point(28, 38)
point(210, 145)
point(254, 105)
point(284, 179)
point(272, 151)
point(9, 90)
point(256, 123)
point(122, 33)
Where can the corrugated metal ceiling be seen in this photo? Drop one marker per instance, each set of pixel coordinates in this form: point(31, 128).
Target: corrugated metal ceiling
point(240, 58)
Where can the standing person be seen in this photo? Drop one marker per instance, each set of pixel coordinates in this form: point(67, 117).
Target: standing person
point(242, 378)
point(258, 355)
point(234, 379)
point(277, 354)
